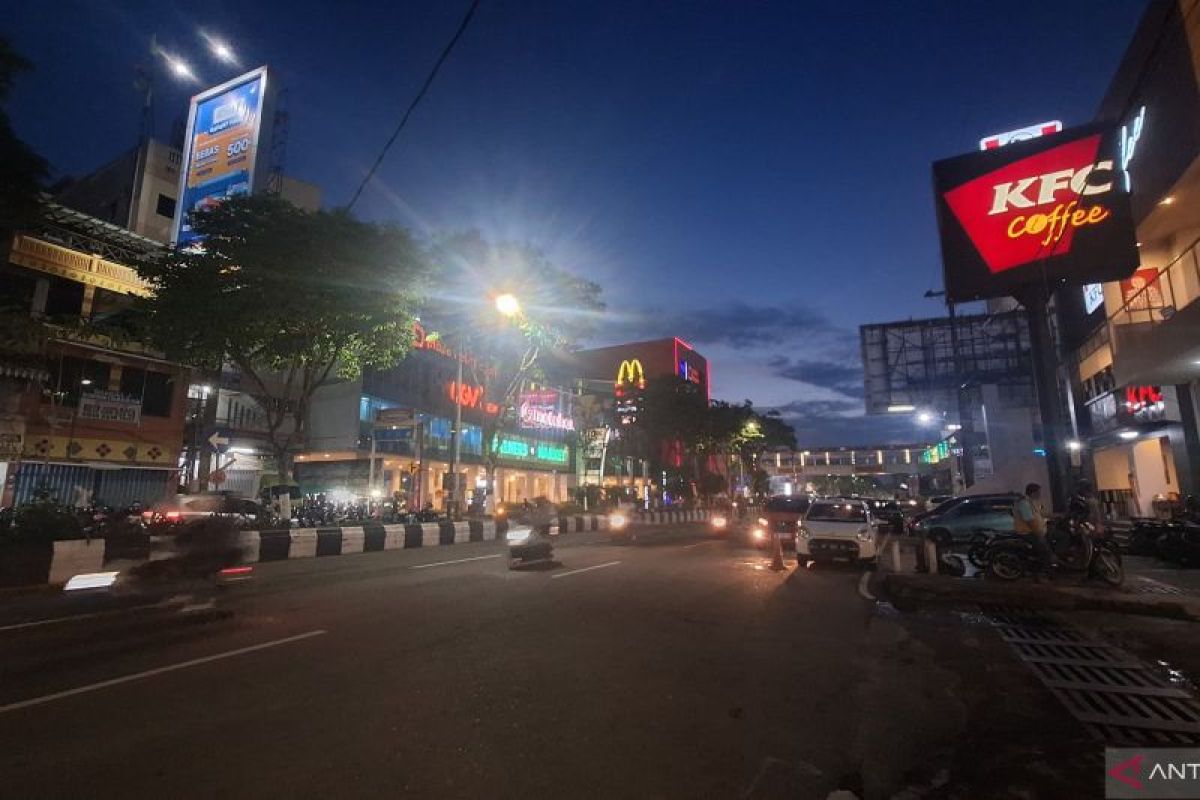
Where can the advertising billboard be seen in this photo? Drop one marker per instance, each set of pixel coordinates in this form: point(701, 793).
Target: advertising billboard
point(225, 136)
point(545, 409)
point(1051, 210)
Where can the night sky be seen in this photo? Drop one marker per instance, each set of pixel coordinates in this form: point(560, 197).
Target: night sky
point(751, 176)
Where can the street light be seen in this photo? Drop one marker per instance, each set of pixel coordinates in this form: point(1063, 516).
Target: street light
point(179, 68)
point(924, 418)
point(219, 48)
point(508, 305)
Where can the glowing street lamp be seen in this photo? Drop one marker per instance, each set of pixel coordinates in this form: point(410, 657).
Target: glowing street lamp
point(179, 68)
point(508, 305)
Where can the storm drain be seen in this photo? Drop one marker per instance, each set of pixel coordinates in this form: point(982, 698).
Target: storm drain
point(1119, 698)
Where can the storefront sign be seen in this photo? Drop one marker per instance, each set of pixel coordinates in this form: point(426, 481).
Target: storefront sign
point(543, 409)
point(1136, 299)
point(471, 396)
point(1129, 405)
point(515, 448)
point(1049, 209)
point(10, 446)
point(1093, 297)
point(998, 140)
point(110, 407)
point(631, 373)
point(1130, 134)
point(597, 440)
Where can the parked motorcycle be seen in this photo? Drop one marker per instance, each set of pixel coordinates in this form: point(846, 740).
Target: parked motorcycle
point(1077, 548)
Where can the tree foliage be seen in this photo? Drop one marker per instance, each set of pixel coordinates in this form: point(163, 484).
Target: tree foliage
point(22, 171)
point(289, 297)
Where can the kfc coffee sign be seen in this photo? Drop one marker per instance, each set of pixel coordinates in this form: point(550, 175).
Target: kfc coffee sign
point(1056, 203)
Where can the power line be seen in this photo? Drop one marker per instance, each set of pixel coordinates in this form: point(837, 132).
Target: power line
point(462, 27)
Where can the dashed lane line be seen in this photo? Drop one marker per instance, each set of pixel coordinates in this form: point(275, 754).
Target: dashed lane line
point(455, 561)
point(137, 676)
point(585, 569)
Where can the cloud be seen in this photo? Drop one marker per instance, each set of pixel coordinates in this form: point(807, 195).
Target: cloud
point(844, 376)
point(741, 325)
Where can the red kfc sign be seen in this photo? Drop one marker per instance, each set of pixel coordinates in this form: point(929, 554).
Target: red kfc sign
point(1054, 203)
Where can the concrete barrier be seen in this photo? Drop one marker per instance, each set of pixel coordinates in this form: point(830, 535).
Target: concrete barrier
point(303, 543)
point(353, 540)
point(431, 534)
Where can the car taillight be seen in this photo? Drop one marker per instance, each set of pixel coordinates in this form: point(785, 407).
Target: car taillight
point(172, 515)
point(234, 571)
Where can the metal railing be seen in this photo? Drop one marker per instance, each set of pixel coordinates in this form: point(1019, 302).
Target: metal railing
point(1175, 286)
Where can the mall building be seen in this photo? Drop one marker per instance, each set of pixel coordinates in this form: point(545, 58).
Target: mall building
point(390, 431)
point(1132, 347)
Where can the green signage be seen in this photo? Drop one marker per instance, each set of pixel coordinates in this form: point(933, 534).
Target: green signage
point(516, 448)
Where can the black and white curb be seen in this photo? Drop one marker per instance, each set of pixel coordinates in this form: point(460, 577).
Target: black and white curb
point(375, 537)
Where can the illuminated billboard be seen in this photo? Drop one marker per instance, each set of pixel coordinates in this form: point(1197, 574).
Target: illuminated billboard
point(225, 135)
point(545, 409)
point(1050, 210)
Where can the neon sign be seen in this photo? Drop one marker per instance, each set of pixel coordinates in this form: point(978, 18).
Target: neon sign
point(1130, 134)
point(630, 372)
point(469, 396)
point(534, 417)
point(518, 449)
point(1139, 398)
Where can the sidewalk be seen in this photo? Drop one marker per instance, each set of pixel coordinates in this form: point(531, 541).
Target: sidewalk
point(1150, 589)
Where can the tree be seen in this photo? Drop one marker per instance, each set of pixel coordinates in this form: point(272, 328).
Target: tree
point(22, 171)
point(290, 298)
point(558, 309)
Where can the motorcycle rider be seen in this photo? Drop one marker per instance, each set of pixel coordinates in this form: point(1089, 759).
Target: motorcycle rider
point(1029, 520)
point(1083, 513)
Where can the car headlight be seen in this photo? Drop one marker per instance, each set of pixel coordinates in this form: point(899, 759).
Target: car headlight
point(719, 522)
point(762, 522)
point(617, 521)
point(802, 533)
point(864, 534)
point(759, 534)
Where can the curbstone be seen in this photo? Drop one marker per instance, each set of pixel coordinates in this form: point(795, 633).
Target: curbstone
point(249, 542)
point(353, 540)
point(303, 543)
point(329, 542)
point(462, 532)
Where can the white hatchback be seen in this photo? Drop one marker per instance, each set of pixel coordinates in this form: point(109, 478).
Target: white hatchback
point(836, 529)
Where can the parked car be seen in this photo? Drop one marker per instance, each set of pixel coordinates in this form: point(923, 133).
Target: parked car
point(890, 512)
point(781, 516)
point(839, 529)
point(959, 520)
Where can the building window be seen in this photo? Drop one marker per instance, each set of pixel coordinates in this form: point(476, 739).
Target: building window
point(155, 389)
point(166, 207)
point(68, 376)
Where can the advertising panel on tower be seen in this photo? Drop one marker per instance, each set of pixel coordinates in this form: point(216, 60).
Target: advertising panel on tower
point(225, 135)
point(1052, 210)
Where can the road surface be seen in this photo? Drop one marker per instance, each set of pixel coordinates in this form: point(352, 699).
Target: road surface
point(678, 666)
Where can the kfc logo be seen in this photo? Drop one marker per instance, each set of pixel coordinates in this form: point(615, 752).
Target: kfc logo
point(1032, 208)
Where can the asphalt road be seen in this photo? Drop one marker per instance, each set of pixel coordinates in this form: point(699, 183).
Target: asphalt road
point(678, 666)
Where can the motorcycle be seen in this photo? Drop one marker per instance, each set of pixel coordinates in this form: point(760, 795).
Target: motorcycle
point(1073, 543)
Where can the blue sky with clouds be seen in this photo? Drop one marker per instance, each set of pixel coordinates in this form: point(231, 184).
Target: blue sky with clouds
point(753, 177)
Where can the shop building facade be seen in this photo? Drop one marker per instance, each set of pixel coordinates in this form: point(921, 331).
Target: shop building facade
point(1133, 346)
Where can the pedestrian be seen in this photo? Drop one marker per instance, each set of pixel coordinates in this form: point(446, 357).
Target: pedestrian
point(1135, 504)
point(1030, 520)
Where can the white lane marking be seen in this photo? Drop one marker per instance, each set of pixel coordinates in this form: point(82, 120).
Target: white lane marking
point(862, 586)
point(57, 620)
point(585, 569)
point(696, 544)
point(455, 561)
point(137, 676)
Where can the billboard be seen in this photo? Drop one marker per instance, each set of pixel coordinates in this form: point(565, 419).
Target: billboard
point(545, 408)
point(225, 135)
point(1020, 134)
point(1049, 210)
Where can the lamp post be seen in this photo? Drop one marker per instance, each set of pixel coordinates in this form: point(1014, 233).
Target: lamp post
point(509, 306)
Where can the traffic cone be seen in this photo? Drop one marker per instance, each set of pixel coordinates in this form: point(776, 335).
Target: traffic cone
point(777, 555)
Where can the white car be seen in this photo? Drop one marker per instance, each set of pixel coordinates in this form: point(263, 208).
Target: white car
point(837, 529)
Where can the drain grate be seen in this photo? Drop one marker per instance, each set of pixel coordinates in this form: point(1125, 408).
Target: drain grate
point(1118, 698)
